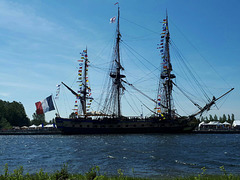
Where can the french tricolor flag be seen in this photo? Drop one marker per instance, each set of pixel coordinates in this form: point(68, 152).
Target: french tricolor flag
point(45, 106)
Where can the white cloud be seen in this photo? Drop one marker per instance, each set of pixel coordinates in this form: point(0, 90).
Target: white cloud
point(17, 17)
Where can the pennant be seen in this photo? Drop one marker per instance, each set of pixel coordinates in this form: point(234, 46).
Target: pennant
point(116, 3)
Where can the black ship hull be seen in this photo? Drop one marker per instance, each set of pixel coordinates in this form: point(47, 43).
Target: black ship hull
point(130, 126)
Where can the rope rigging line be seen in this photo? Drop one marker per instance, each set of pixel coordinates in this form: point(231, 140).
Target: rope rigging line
point(199, 107)
point(151, 71)
point(187, 78)
point(181, 57)
point(179, 106)
point(140, 26)
point(200, 53)
point(130, 104)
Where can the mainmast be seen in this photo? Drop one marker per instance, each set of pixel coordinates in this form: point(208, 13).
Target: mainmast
point(116, 73)
point(118, 78)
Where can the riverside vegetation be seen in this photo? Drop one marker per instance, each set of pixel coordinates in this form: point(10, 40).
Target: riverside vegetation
point(14, 114)
point(94, 174)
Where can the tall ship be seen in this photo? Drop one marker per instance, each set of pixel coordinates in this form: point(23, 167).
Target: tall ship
point(110, 120)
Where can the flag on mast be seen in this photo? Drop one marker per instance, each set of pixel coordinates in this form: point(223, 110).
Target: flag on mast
point(113, 19)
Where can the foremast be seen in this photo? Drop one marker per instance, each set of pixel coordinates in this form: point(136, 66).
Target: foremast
point(164, 100)
point(84, 91)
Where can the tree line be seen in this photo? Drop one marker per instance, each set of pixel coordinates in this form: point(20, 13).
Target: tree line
point(14, 114)
point(224, 118)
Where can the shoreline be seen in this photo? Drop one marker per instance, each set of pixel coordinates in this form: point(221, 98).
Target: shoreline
point(31, 132)
point(58, 132)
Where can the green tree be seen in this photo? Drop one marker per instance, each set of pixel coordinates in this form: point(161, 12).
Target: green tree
point(38, 119)
point(224, 118)
point(210, 117)
point(4, 124)
point(14, 113)
point(221, 120)
point(230, 120)
point(206, 120)
point(215, 118)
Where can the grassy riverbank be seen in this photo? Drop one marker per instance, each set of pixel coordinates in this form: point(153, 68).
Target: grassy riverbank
point(94, 174)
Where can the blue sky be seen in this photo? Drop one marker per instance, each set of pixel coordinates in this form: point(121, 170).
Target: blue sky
point(41, 42)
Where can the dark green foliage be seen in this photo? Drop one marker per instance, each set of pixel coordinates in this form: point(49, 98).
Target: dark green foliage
point(210, 117)
point(206, 120)
point(224, 118)
point(94, 174)
point(4, 124)
point(221, 119)
point(38, 119)
point(63, 174)
point(12, 114)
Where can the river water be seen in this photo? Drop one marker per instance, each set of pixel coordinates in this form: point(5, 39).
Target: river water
point(151, 155)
